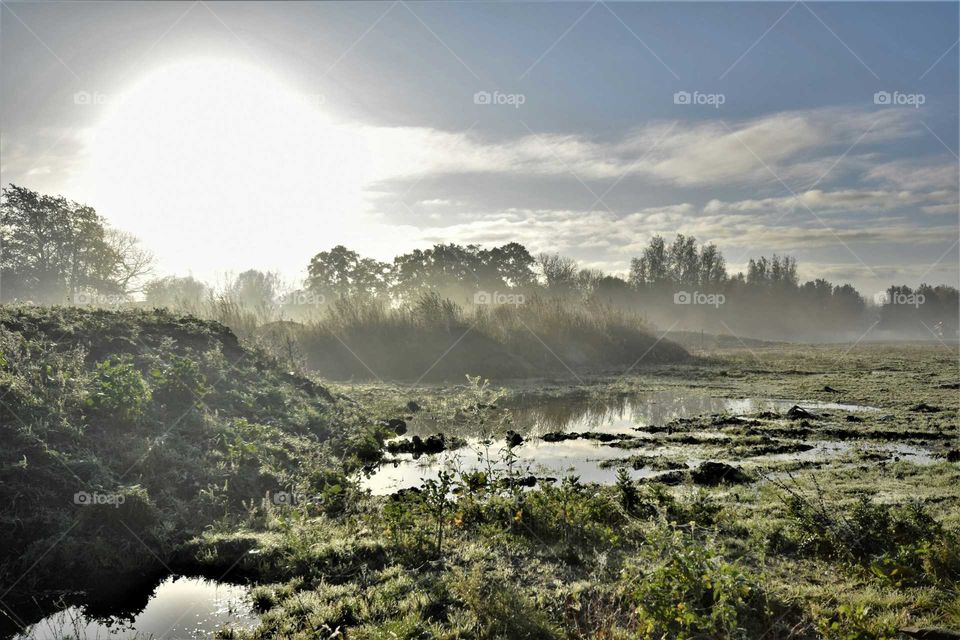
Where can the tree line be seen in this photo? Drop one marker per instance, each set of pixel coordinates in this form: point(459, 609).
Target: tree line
point(57, 251)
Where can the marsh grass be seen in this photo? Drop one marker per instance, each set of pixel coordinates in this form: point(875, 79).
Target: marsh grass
point(217, 430)
point(433, 338)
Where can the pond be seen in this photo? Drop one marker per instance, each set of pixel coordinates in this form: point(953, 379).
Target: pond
point(534, 416)
point(178, 608)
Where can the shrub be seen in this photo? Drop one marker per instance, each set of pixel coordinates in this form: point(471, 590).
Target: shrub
point(119, 390)
point(178, 383)
point(850, 622)
point(499, 609)
point(682, 587)
point(901, 545)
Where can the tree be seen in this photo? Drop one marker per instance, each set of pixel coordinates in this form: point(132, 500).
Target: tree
point(713, 267)
point(514, 264)
point(447, 269)
point(559, 273)
point(255, 289)
point(684, 261)
point(54, 249)
point(133, 262)
point(174, 292)
point(341, 272)
point(653, 266)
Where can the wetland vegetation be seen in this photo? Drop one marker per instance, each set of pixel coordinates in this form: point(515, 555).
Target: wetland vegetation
point(776, 491)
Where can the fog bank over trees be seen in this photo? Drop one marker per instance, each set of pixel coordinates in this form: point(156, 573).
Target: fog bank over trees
point(60, 252)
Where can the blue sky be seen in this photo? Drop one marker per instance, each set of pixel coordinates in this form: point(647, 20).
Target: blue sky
point(388, 150)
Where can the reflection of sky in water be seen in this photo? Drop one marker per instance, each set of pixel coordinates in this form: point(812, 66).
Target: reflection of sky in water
point(179, 608)
point(535, 416)
point(616, 415)
point(550, 459)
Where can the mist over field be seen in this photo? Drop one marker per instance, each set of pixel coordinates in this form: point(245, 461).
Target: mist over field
point(480, 320)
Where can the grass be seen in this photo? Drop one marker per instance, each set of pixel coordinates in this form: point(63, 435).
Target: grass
point(435, 339)
point(842, 548)
point(124, 433)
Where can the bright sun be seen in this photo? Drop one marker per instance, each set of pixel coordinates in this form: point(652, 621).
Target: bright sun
point(218, 165)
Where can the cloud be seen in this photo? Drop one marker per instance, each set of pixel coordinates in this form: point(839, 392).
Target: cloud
point(915, 175)
point(844, 200)
point(795, 145)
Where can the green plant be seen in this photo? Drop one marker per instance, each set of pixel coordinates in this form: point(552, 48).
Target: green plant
point(682, 587)
point(119, 390)
point(436, 498)
point(499, 609)
point(851, 622)
point(178, 383)
point(627, 490)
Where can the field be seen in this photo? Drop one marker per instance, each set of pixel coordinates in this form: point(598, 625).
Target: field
point(837, 521)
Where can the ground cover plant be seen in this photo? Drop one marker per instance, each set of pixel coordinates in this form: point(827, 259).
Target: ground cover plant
point(216, 461)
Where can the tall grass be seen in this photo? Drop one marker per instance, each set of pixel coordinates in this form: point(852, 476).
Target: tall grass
point(430, 337)
point(434, 338)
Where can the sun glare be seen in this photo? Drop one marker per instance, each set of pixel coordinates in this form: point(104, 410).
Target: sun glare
point(215, 161)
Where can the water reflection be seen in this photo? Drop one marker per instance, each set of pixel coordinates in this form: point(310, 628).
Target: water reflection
point(539, 415)
point(179, 608)
point(533, 416)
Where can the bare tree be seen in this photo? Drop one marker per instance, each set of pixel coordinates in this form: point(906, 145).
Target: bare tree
point(132, 263)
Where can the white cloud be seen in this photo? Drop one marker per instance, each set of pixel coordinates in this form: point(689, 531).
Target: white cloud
point(684, 154)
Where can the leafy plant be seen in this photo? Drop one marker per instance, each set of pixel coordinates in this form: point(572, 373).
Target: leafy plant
point(683, 587)
point(119, 390)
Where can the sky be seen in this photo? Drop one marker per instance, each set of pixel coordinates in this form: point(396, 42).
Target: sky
point(229, 136)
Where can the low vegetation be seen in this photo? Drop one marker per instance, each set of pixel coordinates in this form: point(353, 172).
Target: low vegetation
point(124, 433)
point(201, 456)
point(435, 339)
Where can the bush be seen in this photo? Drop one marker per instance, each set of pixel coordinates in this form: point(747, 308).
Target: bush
point(498, 608)
point(119, 390)
point(901, 545)
point(178, 383)
point(682, 587)
point(850, 622)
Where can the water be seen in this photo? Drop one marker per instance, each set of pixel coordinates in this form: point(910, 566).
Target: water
point(620, 415)
point(539, 415)
point(179, 608)
point(536, 415)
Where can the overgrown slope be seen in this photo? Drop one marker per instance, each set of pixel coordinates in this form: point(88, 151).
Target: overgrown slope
point(123, 433)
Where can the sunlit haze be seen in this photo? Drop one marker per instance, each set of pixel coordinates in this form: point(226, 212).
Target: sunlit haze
point(230, 136)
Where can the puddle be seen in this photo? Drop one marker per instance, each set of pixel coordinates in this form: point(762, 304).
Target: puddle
point(543, 459)
point(535, 416)
point(834, 448)
point(179, 608)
